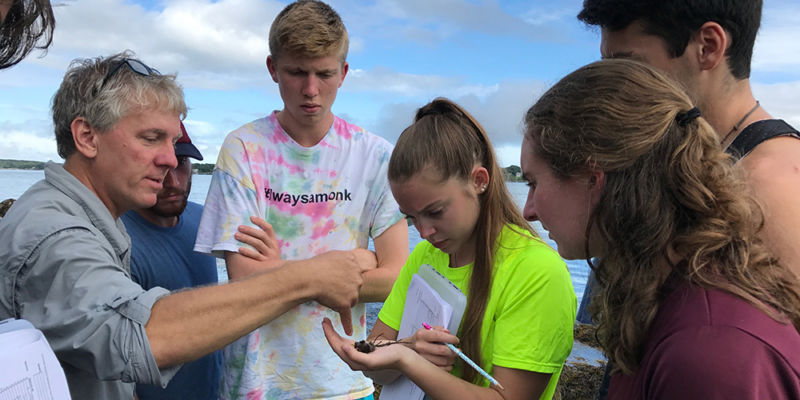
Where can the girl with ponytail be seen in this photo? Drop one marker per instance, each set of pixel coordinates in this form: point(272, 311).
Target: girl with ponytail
point(520, 302)
point(622, 167)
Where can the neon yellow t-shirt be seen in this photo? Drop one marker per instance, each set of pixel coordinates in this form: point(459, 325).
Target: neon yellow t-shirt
point(531, 309)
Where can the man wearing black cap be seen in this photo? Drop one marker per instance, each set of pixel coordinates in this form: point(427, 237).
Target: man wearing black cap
point(162, 238)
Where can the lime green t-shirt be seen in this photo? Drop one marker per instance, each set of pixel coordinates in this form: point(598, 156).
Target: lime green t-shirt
point(531, 310)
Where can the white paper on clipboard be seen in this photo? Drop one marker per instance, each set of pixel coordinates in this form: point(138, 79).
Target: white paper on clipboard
point(449, 292)
point(428, 300)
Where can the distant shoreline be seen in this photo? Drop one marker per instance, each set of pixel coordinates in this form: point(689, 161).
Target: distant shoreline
point(510, 173)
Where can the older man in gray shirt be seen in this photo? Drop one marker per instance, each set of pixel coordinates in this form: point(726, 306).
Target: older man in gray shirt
point(65, 256)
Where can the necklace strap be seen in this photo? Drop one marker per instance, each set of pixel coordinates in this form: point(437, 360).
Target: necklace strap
point(738, 125)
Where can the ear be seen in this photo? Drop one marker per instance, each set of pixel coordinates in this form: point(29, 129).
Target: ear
point(709, 44)
point(345, 69)
point(597, 181)
point(84, 136)
point(271, 68)
point(480, 179)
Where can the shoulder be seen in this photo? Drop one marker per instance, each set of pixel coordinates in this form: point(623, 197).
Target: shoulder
point(775, 161)
point(518, 247)
point(361, 136)
point(716, 361)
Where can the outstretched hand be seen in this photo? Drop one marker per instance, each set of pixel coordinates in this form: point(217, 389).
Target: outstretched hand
point(384, 357)
point(265, 246)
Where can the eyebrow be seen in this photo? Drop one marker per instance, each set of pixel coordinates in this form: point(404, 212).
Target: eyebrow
point(426, 209)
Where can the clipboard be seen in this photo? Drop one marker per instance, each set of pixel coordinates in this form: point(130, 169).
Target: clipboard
point(448, 291)
point(431, 298)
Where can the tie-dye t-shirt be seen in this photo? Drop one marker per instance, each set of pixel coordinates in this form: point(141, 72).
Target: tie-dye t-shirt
point(332, 196)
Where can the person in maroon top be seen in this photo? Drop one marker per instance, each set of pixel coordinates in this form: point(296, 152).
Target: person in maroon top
point(692, 305)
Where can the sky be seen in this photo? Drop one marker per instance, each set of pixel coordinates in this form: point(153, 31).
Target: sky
point(493, 57)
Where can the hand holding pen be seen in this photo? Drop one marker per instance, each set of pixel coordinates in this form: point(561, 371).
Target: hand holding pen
point(469, 362)
point(428, 343)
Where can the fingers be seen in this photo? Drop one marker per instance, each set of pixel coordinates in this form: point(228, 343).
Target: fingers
point(347, 320)
point(340, 345)
point(263, 240)
point(366, 259)
point(264, 225)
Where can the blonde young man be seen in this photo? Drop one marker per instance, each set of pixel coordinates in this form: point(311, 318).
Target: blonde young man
point(321, 184)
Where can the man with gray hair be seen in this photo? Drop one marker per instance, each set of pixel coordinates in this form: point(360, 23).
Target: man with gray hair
point(65, 255)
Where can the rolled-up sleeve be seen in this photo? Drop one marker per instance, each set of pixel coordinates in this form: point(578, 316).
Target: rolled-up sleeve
point(74, 289)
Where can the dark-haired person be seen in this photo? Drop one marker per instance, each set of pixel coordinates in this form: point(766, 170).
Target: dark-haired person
point(65, 256)
point(707, 45)
point(162, 255)
point(24, 26)
point(691, 305)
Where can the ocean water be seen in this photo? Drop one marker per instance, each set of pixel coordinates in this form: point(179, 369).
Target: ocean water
point(14, 182)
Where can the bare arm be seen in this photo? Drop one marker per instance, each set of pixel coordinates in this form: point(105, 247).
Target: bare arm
point(391, 250)
point(264, 254)
point(435, 381)
point(189, 324)
point(773, 172)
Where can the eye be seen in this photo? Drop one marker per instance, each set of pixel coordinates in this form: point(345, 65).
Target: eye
point(436, 213)
point(531, 184)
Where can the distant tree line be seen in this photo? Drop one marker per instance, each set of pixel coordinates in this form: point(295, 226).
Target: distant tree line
point(21, 164)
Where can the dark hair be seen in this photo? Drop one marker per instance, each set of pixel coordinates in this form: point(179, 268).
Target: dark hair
point(669, 189)
point(28, 22)
point(674, 21)
point(446, 138)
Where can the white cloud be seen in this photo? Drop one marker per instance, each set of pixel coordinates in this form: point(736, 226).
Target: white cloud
point(500, 111)
point(777, 47)
point(780, 100)
point(426, 22)
point(27, 145)
point(220, 45)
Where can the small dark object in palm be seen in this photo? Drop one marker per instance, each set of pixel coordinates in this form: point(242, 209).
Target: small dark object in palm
point(370, 346)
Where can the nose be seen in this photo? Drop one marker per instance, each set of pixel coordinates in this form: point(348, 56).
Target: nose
point(425, 229)
point(529, 211)
point(171, 179)
point(166, 157)
point(311, 86)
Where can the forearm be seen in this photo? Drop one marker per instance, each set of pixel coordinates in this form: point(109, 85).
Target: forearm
point(189, 324)
point(441, 385)
point(391, 252)
point(383, 376)
point(378, 283)
point(239, 266)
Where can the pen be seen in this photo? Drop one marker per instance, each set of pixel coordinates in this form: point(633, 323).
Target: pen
point(468, 361)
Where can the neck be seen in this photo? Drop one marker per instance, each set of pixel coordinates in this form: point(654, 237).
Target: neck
point(728, 107)
point(155, 219)
point(305, 135)
point(80, 168)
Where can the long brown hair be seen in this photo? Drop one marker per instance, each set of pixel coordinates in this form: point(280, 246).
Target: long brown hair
point(448, 139)
point(670, 193)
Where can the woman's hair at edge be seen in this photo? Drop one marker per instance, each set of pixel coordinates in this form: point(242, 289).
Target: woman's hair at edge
point(446, 138)
point(28, 23)
point(668, 188)
point(126, 91)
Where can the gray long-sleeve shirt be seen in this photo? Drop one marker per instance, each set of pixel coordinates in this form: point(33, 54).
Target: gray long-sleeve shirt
point(65, 267)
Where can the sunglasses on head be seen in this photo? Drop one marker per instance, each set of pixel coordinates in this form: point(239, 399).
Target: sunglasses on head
point(135, 66)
